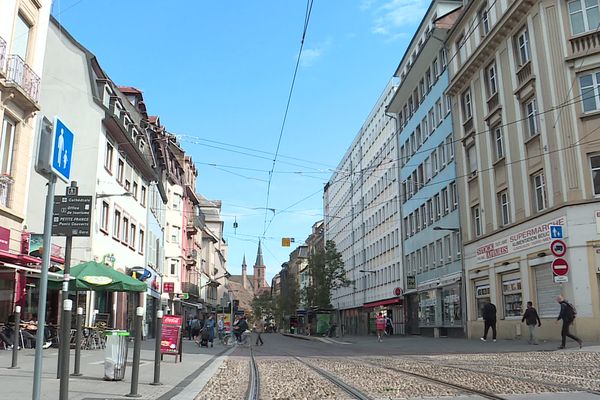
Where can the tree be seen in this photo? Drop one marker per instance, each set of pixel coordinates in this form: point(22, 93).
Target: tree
point(262, 304)
point(327, 273)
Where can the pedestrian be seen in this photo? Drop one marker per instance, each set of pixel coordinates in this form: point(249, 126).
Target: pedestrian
point(380, 326)
point(236, 328)
point(209, 325)
point(188, 326)
point(308, 329)
point(532, 318)
point(221, 327)
point(196, 326)
point(567, 314)
point(389, 328)
point(259, 328)
point(489, 320)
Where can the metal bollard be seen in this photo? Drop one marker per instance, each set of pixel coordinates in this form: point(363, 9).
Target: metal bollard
point(157, 337)
point(66, 350)
point(78, 323)
point(16, 337)
point(137, 344)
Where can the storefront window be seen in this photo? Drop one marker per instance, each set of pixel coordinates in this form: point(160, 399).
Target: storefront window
point(7, 281)
point(512, 295)
point(482, 296)
point(451, 312)
point(427, 302)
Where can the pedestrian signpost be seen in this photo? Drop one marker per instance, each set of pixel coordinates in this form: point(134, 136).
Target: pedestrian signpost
point(556, 231)
point(62, 150)
point(72, 215)
point(558, 248)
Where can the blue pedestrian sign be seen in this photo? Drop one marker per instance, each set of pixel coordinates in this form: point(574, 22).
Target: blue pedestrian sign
point(62, 150)
point(556, 231)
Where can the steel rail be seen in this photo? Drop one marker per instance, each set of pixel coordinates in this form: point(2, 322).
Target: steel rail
point(254, 383)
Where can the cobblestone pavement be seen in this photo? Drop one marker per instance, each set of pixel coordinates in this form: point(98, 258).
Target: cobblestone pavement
point(383, 372)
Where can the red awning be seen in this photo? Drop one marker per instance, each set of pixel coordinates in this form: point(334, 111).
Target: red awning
point(395, 300)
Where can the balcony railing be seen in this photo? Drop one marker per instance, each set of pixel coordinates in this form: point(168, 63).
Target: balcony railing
point(191, 288)
point(6, 183)
point(492, 102)
point(2, 55)
point(21, 74)
point(524, 73)
point(586, 44)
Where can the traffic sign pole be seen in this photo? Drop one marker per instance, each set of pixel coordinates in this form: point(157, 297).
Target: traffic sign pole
point(43, 291)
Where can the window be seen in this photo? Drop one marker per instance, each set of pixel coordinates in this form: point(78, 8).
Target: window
point(134, 190)
point(440, 251)
point(174, 268)
point(524, 54)
point(143, 196)
point(132, 233)
point(117, 224)
point(450, 148)
point(476, 218)
point(482, 296)
point(442, 154)
point(108, 157)
point(434, 162)
point(512, 295)
point(448, 104)
point(443, 58)
point(422, 88)
point(141, 241)
point(438, 208)
point(491, 79)
point(20, 39)
point(418, 135)
point(104, 215)
point(448, 248)
point(467, 111)
point(7, 146)
point(531, 117)
point(584, 16)
point(445, 201)
point(435, 68)
point(424, 128)
point(120, 170)
point(472, 160)
point(498, 138)
point(439, 111)
point(539, 188)
point(432, 123)
point(428, 82)
point(430, 211)
point(431, 252)
point(590, 91)
point(504, 208)
point(595, 165)
point(176, 201)
point(125, 233)
point(425, 254)
point(458, 244)
point(454, 195)
point(175, 234)
point(484, 20)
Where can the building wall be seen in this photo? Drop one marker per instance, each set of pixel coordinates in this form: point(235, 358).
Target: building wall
point(556, 139)
point(174, 236)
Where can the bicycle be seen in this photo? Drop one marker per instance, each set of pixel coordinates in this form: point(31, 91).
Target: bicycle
point(231, 340)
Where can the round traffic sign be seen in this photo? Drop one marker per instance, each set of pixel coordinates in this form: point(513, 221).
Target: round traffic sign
point(398, 291)
point(558, 248)
point(560, 267)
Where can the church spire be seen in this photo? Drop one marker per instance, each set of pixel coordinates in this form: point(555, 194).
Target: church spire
point(259, 256)
point(244, 273)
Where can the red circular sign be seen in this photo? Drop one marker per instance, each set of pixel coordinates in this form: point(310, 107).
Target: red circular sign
point(558, 248)
point(398, 291)
point(560, 267)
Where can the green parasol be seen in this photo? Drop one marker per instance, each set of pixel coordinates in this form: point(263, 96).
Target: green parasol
point(97, 277)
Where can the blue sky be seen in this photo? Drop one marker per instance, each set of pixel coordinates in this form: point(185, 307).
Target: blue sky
point(218, 73)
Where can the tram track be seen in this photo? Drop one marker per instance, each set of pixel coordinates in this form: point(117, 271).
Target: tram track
point(253, 392)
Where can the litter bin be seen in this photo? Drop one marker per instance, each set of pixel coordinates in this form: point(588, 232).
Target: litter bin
point(115, 355)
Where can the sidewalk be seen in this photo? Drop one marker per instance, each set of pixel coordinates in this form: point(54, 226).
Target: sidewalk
point(428, 345)
point(18, 383)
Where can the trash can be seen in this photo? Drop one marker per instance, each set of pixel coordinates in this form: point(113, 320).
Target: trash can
point(115, 355)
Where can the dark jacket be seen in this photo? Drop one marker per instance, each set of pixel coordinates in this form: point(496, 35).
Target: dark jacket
point(489, 312)
point(531, 316)
point(564, 313)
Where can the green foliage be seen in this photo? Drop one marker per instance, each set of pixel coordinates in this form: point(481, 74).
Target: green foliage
point(262, 305)
point(327, 273)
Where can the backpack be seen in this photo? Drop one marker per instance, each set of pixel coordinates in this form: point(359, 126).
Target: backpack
point(196, 324)
point(570, 311)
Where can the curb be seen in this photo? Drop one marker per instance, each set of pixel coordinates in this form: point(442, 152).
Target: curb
point(302, 337)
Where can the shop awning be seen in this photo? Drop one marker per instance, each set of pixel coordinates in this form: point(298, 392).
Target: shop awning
point(395, 300)
point(28, 269)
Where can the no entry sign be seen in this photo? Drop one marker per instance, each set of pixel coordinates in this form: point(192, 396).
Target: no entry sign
point(558, 248)
point(560, 267)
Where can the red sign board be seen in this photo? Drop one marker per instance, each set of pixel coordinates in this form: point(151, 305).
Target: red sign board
point(170, 335)
point(560, 267)
point(558, 248)
point(4, 238)
point(168, 287)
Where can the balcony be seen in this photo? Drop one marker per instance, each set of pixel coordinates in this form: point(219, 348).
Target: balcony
point(586, 44)
point(190, 259)
point(468, 125)
point(493, 102)
point(524, 73)
point(2, 56)
point(24, 82)
point(6, 184)
point(190, 288)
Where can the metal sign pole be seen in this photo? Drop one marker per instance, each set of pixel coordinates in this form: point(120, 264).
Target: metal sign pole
point(79, 327)
point(37, 369)
point(137, 344)
point(64, 365)
point(157, 355)
point(16, 337)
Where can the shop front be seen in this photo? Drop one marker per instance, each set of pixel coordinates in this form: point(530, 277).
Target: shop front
point(439, 308)
point(391, 308)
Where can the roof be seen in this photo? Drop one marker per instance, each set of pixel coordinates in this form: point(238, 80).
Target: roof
point(129, 90)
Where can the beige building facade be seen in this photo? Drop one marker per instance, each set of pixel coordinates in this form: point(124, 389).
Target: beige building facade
point(525, 87)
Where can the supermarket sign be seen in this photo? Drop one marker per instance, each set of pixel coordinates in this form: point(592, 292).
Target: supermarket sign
point(519, 241)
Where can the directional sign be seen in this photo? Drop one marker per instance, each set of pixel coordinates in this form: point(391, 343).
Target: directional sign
point(558, 248)
point(72, 216)
point(62, 150)
point(560, 267)
point(556, 231)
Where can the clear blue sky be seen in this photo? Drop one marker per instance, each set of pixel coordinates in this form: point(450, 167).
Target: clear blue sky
point(218, 71)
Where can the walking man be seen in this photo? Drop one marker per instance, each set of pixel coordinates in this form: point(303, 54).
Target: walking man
point(380, 326)
point(221, 328)
point(258, 328)
point(567, 314)
point(489, 319)
point(532, 318)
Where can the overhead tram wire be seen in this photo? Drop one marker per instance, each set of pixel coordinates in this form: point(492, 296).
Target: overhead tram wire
point(309, 5)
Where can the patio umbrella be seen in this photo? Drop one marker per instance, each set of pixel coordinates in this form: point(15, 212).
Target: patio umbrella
point(98, 277)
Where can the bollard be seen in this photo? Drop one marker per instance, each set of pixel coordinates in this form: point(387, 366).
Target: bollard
point(157, 337)
point(137, 344)
point(78, 323)
point(66, 350)
point(16, 337)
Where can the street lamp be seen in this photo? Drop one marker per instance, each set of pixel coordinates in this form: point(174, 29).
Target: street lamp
point(439, 228)
point(104, 195)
